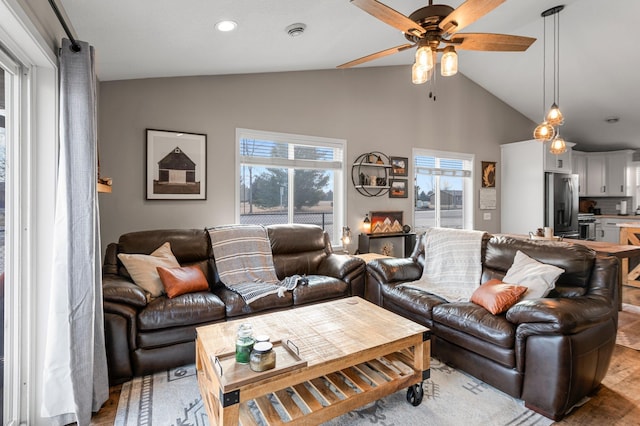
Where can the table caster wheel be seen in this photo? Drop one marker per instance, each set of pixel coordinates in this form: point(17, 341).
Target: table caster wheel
point(415, 394)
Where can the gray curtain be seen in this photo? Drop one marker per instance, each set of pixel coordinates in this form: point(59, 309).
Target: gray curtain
point(75, 368)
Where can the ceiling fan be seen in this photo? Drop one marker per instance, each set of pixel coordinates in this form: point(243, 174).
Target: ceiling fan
point(434, 25)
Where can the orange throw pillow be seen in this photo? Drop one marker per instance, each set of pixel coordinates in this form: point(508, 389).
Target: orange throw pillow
point(187, 279)
point(496, 296)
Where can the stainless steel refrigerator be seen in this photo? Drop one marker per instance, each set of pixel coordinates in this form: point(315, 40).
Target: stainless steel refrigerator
point(561, 204)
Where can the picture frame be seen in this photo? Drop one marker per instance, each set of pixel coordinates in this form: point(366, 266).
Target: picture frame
point(385, 222)
point(488, 177)
point(176, 165)
point(398, 188)
point(399, 166)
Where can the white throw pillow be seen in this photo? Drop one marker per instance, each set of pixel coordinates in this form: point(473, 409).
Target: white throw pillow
point(539, 277)
point(142, 267)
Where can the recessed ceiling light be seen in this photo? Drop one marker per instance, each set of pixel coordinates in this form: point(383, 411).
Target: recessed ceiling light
point(612, 120)
point(226, 26)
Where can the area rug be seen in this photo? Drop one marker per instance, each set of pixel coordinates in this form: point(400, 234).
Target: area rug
point(450, 398)
point(629, 327)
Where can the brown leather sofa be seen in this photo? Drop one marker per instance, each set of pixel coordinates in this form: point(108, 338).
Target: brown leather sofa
point(143, 337)
point(550, 352)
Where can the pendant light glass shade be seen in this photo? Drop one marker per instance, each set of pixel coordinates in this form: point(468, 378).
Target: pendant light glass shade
point(544, 132)
point(449, 62)
point(419, 75)
point(554, 116)
point(558, 146)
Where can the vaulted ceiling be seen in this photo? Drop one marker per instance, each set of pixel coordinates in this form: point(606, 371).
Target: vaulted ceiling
point(599, 63)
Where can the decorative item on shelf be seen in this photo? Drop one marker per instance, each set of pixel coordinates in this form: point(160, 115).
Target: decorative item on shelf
point(366, 224)
point(549, 129)
point(346, 235)
point(406, 229)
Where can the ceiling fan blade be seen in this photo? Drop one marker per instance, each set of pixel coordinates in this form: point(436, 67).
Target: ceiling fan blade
point(389, 16)
point(492, 42)
point(467, 13)
point(376, 55)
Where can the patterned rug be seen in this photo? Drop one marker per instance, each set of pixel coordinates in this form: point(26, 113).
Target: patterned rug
point(629, 327)
point(450, 398)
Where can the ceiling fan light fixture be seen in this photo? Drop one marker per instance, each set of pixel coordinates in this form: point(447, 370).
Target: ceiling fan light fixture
point(424, 57)
point(558, 146)
point(544, 132)
point(554, 116)
point(419, 74)
point(449, 62)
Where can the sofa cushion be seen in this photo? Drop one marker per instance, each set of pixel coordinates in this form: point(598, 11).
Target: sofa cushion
point(408, 300)
point(538, 277)
point(496, 296)
point(187, 279)
point(186, 309)
point(319, 288)
point(142, 267)
point(469, 318)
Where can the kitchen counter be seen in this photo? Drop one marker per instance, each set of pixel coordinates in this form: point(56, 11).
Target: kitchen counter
point(618, 216)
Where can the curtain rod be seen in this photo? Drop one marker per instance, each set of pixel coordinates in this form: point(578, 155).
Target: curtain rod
point(75, 46)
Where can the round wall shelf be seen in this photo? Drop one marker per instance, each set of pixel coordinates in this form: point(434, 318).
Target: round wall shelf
point(370, 174)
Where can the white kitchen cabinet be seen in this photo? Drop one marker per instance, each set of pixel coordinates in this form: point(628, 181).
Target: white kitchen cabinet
point(618, 166)
point(608, 229)
point(607, 174)
point(523, 166)
point(558, 163)
point(596, 174)
point(579, 166)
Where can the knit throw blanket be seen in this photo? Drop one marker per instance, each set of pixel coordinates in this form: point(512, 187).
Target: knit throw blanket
point(245, 262)
point(453, 266)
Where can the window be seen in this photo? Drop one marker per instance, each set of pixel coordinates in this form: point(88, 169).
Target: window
point(286, 178)
point(443, 195)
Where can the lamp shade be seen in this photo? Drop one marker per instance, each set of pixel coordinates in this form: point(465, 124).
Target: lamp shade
point(558, 146)
point(366, 224)
point(419, 74)
point(554, 116)
point(544, 132)
point(424, 57)
point(449, 62)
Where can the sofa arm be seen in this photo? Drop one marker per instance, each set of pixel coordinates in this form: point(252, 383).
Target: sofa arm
point(388, 270)
point(121, 290)
point(339, 265)
point(560, 316)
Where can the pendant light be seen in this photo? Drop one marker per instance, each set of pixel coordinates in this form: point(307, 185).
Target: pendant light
point(547, 130)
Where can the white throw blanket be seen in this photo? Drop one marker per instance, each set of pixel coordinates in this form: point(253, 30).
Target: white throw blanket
point(245, 262)
point(453, 264)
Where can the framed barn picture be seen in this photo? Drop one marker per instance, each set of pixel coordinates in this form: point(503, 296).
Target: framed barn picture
point(176, 165)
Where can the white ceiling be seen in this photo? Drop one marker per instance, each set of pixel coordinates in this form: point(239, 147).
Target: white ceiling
point(160, 38)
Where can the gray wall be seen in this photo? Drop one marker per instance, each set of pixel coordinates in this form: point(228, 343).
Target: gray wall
point(374, 109)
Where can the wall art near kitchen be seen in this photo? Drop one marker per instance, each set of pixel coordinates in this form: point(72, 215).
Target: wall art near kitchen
point(399, 166)
point(488, 174)
point(398, 188)
point(176, 165)
point(386, 222)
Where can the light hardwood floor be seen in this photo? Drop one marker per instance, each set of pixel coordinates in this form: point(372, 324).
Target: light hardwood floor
point(616, 403)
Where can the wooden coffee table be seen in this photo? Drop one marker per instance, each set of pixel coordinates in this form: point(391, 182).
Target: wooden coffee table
point(349, 352)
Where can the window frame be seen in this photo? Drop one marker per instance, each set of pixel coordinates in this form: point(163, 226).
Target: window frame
point(468, 184)
point(339, 167)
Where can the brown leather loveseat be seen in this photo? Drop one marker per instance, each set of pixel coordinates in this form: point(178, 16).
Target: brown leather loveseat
point(145, 335)
point(550, 352)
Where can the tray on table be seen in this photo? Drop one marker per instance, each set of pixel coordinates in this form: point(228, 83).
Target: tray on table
point(233, 375)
